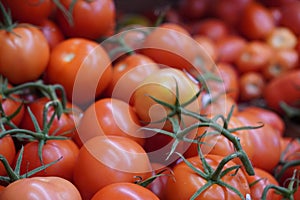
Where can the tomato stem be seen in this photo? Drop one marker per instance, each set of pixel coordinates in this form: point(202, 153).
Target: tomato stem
point(7, 23)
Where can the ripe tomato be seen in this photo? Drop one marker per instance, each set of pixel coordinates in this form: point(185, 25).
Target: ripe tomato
point(289, 91)
point(248, 24)
point(84, 69)
point(109, 116)
point(282, 38)
point(208, 45)
point(193, 9)
point(30, 11)
point(50, 188)
point(52, 32)
point(128, 191)
point(188, 182)
point(91, 19)
point(24, 53)
point(251, 86)
point(265, 140)
point(290, 16)
point(162, 86)
point(66, 150)
point(259, 181)
point(128, 73)
point(106, 160)
point(8, 150)
point(65, 125)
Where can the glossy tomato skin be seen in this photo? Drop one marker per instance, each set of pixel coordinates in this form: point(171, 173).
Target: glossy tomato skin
point(65, 150)
point(84, 69)
point(289, 90)
point(30, 11)
point(263, 179)
point(52, 32)
point(65, 125)
point(24, 54)
point(105, 160)
point(91, 19)
point(52, 188)
point(128, 73)
point(8, 150)
point(188, 182)
point(128, 191)
point(109, 116)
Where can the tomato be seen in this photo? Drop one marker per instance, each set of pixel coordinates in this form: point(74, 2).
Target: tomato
point(128, 73)
point(109, 116)
point(52, 32)
point(290, 16)
point(65, 125)
point(188, 182)
point(162, 86)
point(256, 21)
point(282, 38)
point(289, 91)
point(259, 181)
point(193, 9)
point(282, 61)
point(254, 56)
point(171, 45)
point(229, 48)
point(8, 150)
point(65, 150)
point(30, 11)
point(106, 160)
point(129, 191)
point(251, 85)
point(90, 19)
point(267, 117)
point(24, 54)
point(208, 45)
point(265, 140)
point(84, 69)
point(52, 188)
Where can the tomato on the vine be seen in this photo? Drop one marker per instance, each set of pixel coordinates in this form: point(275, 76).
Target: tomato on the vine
point(8, 150)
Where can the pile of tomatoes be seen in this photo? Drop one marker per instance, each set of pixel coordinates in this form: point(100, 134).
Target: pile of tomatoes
point(199, 99)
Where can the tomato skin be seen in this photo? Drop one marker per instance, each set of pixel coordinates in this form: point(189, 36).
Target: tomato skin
point(92, 19)
point(128, 191)
point(105, 160)
point(50, 188)
point(109, 116)
point(188, 182)
point(251, 86)
point(52, 32)
point(289, 90)
point(65, 125)
point(290, 16)
point(26, 44)
point(81, 64)
point(30, 11)
point(66, 150)
point(8, 150)
point(264, 178)
point(128, 73)
point(193, 9)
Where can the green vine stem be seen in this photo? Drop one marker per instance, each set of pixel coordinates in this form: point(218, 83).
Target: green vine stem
point(14, 174)
point(7, 23)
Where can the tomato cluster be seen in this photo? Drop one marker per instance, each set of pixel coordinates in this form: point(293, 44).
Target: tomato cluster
point(199, 99)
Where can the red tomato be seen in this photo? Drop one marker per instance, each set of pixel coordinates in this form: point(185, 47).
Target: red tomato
point(265, 142)
point(256, 21)
point(106, 160)
point(251, 86)
point(290, 16)
point(128, 191)
point(91, 19)
point(51, 188)
point(193, 9)
point(284, 88)
point(84, 69)
point(259, 181)
point(24, 53)
point(8, 150)
point(52, 32)
point(109, 116)
point(188, 182)
point(30, 11)
point(66, 150)
point(208, 45)
point(282, 38)
point(65, 125)
point(128, 73)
